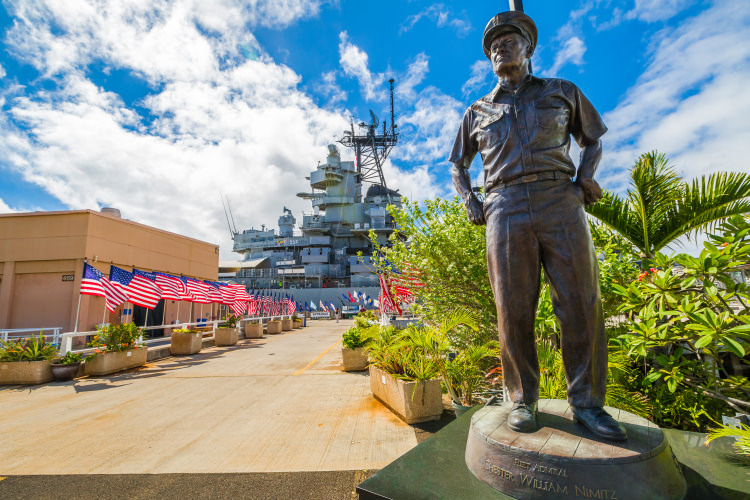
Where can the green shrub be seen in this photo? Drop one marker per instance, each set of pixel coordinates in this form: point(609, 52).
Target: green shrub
point(31, 349)
point(355, 337)
point(116, 337)
point(396, 353)
point(69, 358)
point(229, 322)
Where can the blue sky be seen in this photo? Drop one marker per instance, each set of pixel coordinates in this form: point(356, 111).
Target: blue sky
point(157, 108)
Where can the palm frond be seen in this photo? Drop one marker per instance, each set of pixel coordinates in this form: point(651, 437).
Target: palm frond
point(707, 201)
point(616, 213)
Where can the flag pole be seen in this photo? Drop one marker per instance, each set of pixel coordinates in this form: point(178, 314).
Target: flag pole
point(145, 321)
point(78, 313)
point(178, 311)
point(104, 313)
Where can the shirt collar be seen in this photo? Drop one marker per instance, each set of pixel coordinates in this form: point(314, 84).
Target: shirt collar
point(499, 89)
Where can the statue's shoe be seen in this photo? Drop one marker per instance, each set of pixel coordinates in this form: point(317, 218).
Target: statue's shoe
point(522, 417)
point(599, 422)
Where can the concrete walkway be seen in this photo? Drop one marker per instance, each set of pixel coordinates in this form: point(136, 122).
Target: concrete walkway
point(275, 404)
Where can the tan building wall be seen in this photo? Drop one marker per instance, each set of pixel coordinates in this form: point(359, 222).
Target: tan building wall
point(42, 256)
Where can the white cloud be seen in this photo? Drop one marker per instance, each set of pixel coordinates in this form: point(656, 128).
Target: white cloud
point(657, 10)
point(329, 88)
point(431, 127)
point(571, 52)
point(2, 71)
point(690, 102)
point(223, 124)
point(354, 63)
point(568, 46)
point(5, 208)
point(443, 17)
point(481, 79)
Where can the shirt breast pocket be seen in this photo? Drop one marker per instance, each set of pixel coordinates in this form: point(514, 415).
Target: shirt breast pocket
point(493, 130)
point(551, 114)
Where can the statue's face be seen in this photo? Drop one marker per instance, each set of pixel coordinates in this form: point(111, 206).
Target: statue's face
point(508, 51)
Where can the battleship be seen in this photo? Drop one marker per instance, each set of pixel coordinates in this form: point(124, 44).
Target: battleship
point(331, 249)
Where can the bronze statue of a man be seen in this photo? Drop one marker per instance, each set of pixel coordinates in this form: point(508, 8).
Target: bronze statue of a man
point(535, 218)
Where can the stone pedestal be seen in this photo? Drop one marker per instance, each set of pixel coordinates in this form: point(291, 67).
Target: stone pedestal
point(563, 460)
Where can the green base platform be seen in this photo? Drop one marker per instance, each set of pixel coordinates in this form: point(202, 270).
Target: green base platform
point(436, 469)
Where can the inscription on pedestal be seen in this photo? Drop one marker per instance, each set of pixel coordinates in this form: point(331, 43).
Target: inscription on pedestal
point(562, 460)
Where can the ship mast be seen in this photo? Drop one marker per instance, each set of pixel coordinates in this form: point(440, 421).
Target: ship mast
point(371, 148)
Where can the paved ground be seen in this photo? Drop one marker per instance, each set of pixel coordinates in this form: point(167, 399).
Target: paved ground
point(278, 413)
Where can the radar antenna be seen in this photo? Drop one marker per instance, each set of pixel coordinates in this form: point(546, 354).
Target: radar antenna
point(371, 148)
point(228, 215)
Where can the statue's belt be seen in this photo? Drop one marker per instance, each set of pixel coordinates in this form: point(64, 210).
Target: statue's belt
point(541, 176)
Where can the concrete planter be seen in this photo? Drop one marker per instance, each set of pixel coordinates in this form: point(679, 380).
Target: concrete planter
point(115, 361)
point(226, 336)
point(297, 324)
point(286, 325)
point(413, 402)
point(355, 360)
point(25, 372)
point(185, 343)
point(274, 326)
point(253, 330)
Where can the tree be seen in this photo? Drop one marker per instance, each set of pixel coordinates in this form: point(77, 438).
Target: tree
point(660, 207)
point(449, 254)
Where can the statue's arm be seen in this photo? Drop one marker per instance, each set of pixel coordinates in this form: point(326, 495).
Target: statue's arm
point(591, 155)
point(462, 182)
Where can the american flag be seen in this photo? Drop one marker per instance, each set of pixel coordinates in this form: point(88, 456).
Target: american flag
point(198, 289)
point(387, 304)
point(292, 306)
point(323, 307)
point(95, 283)
point(213, 292)
point(228, 293)
point(241, 298)
point(140, 291)
point(170, 286)
point(267, 305)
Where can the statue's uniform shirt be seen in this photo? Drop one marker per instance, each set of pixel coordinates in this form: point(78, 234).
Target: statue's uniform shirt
point(527, 131)
point(535, 217)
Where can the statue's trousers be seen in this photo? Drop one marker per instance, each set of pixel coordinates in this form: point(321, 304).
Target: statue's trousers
point(538, 225)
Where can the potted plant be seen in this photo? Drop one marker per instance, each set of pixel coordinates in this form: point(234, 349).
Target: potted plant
point(353, 352)
point(26, 361)
point(286, 324)
point(253, 329)
point(116, 348)
point(273, 326)
point(402, 377)
point(185, 341)
point(226, 333)
point(66, 367)
point(462, 368)
point(296, 321)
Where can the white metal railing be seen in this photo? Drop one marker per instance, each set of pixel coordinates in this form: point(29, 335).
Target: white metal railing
point(65, 340)
point(7, 335)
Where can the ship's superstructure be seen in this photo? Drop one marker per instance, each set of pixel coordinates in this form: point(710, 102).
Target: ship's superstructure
point(324, 252)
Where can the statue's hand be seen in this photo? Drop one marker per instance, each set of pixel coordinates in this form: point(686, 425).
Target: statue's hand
point(591, 190)
point(475, 211)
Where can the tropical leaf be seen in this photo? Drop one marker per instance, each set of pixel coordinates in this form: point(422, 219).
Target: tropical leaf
point(660, 207)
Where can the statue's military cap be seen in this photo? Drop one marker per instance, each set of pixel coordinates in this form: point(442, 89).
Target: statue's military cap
point(515, 21)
